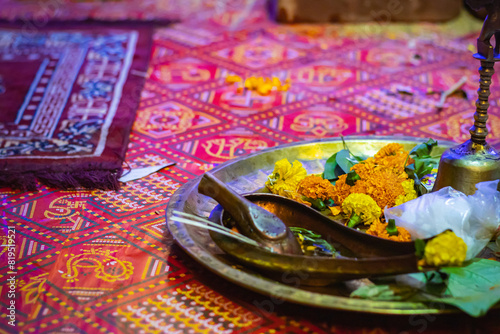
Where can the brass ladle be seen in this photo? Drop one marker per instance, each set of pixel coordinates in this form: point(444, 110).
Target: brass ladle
point(252, 220)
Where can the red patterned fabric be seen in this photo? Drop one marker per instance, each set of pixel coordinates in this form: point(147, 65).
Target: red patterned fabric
point(94, 261)
point(68, 101)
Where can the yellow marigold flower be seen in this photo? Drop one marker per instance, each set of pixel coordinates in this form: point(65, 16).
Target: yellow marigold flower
point(285, 178)
point(276, 82)
point(445, 249)
point(378, 229)
point(409, 194)
point(251, 83)
point(363, 206)
point(284, 87)
point(336, 210)
point(232, 78)
point(264, 89)
point(314, 187)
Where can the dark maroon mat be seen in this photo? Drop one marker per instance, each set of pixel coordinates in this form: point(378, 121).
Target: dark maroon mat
point(68, 98)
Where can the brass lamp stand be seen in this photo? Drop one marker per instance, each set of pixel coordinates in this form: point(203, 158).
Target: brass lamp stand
point(474, 161)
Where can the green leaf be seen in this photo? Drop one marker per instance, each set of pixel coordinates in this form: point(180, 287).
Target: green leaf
point(352, 177)
point(344, 160)
point(479, 276)
point(474, 288)
point(312, 243)
point(330, 165)
point(423, 149)
point(338, 164)
point(358, 158)
point(383, 292)
point(317, 203)
point(424, 163)
point(474, 304)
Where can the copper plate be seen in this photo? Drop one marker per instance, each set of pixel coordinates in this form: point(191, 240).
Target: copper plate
point(248, 174)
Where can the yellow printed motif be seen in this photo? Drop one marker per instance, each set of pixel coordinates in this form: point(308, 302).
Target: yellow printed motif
point(106, 267)
point(204, 318)
point(33, 288)
point(66, 207)
point(4, 241)
point(223, 148)
point(320, 124)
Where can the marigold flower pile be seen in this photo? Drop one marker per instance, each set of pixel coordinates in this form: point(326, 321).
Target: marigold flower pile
point(379, 182)
point(383, 183)
point(382, 178)
point(262, 85)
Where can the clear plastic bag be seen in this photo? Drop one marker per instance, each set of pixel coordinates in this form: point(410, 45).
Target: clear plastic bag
point(474, 218)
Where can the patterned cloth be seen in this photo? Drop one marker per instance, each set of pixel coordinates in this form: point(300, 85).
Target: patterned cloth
point(95, 262)
point(38, 13)
point(68, 102)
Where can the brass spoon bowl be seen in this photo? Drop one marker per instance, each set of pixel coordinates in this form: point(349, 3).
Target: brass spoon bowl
point(252, 220)
point(361, 254)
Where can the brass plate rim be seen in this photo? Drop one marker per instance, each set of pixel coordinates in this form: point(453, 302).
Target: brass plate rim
point(263, 285)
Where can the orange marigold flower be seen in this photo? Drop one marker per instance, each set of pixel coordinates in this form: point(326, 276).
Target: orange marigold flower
point(378, 229)
point(382, 185)
point(315, 187)
point(389, 149)
point(381, 177)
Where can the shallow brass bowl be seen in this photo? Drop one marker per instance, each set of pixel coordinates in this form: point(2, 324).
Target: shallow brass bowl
point(248, 174)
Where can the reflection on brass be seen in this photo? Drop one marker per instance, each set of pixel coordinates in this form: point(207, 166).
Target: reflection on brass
point(251, 220)
point(464, 166)
point(474, 161)
point(248, 174)
point(360, 254)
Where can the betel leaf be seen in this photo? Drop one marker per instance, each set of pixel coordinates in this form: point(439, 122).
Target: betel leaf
point(332, 169)
point(384, 292)
point(352, 177)
point(424, 162)
point(474, 288)
point(356, 157)
point(338, 164)
point(423, 149)
point(345, 161)
point(480, 275)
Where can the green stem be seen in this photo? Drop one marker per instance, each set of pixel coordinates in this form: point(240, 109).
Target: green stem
point(354, 220)
point(391, 227)
point(419, 248)
point(317, 203)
